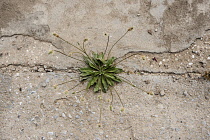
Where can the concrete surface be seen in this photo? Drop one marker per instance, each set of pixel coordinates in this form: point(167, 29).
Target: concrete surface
point(171, 40)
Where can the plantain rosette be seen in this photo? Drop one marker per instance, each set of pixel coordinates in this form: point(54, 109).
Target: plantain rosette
point(100, 73)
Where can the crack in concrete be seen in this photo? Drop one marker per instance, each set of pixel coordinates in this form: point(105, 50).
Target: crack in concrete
point(40, 68)
point(27, 35)
point(168, 73)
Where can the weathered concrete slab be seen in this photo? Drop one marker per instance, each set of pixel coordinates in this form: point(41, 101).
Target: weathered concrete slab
point(38, 111)
point(163, 25)
point(163, 61)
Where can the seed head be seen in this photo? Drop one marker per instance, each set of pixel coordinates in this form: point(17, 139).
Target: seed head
point(55, 86)
point(50, 52)
point(122, 109)
point(56, 35)
point(130, 29)
point(82, 99)
point(110, 107)
point(65, 92)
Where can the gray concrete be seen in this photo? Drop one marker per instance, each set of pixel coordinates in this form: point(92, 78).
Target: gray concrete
point(171, 40)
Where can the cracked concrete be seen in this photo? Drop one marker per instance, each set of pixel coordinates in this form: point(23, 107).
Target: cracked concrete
point(169, 49)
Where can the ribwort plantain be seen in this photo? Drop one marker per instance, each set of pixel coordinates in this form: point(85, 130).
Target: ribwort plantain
point(100, 72)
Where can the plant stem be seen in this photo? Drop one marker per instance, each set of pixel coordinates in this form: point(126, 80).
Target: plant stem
point(117, 42)
point(67, 55)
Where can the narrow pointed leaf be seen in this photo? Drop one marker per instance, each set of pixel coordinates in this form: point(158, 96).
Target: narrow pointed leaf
point(109, 81)
point(104, 83)
point(91, 82)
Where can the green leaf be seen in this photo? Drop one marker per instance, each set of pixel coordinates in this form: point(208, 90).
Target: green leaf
point(96, 88)
point(98, 85)
point(100, 82)
point(117, 79)
point(104, 83)
point(113, 77)
point(90, 63)
point(109, 81)
point(110, 61)
point(97, 62)
point(101, 56)
point(109, 75)
point(85, 78)
point(87, 70)
point(84, 74)
point(92, 81)
point(114, 70)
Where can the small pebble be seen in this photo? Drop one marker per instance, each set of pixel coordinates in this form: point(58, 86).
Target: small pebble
point(50, 133)
point(55, 117)
point(93, 112)
point(141, 73)
point(77, 116)
point(25, 70)
point(32, 92)
point(81, 112)
point(17, 74)
point(41, 70)
point(185, 93)
point(63, 115)
point(35, 68)
point(13, 69)
point(176, 129)
point(64, 132)
point(155, 116)
point(190, 63)
point(49, 70)
point(162, 93)
point(44, 85)
point(196, 52)
point(69, 115)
